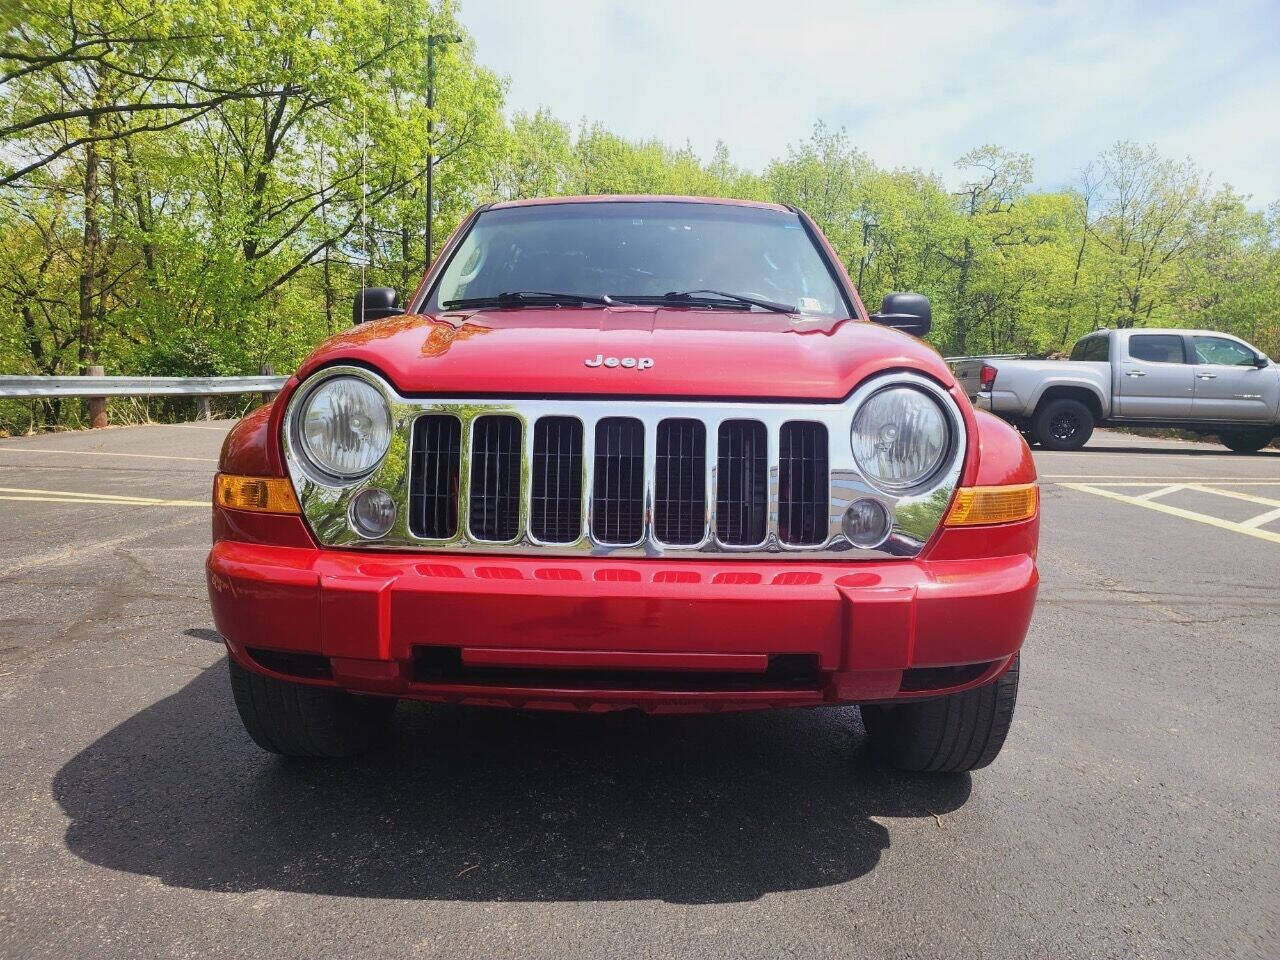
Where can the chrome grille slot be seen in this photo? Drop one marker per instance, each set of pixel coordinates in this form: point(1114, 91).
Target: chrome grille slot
point(742, 488)
point(494, 513)
point(617, 512)
point(436, 467)
point(555, 504)
point(803, 497)
point(680, 482)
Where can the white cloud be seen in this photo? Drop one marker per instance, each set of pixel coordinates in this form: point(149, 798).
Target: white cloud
point(915, 83)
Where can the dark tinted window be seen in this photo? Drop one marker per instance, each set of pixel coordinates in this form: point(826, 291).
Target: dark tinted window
point(642, 249)
point(1092, 348)
point(1156, 348)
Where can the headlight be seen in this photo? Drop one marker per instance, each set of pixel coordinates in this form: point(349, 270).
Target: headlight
point(900, 438)
point(344, 427)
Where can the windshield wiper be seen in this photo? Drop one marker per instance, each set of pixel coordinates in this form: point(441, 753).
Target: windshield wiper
point(712, 298)
point(529, 298)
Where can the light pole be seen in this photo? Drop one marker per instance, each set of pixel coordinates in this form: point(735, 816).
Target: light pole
point(432, 41)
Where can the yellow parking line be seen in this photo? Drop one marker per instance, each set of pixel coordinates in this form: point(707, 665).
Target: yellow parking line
point(1234, 495)
point(79, 493)
point(1154, 494)
point(1174, 511)
point(107, 453)
point(1178, 481)
point(1232, 481)
point(108, 499)
point(111, 503)
point(1199, 487)
point(1261, 519)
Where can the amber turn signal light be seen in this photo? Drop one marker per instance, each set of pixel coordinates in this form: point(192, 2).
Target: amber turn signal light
point(259, 494)
point(976, 506)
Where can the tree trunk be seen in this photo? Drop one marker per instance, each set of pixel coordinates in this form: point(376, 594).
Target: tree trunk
point(962, 306)
point(88, 346)
point(404, 257)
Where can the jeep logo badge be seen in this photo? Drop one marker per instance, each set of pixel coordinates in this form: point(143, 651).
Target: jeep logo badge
point(638, 363)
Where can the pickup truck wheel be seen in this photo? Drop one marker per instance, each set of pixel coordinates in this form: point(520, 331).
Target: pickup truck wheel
point(1245, 441)
point(951, 734)
point(301, 720)
point(1063, 425)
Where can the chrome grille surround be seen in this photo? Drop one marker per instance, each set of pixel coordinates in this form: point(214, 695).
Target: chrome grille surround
point(916, 513)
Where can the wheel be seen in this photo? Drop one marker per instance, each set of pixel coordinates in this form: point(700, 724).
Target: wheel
point(1063, 425)
point(951, 734)
point(1247, 440)
point(301, 720)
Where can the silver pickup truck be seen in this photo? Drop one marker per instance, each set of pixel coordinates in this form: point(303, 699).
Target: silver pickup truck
point(1197, 380)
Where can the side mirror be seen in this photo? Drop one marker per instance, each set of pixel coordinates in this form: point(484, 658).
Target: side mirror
point(908, 312)
point(374, 303)
point(1261, 360)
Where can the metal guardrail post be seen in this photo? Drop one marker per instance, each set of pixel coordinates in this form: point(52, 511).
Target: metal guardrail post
point(97, 405)
point(267, 370)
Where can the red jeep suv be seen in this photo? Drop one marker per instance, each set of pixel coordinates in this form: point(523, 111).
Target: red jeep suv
point(627, 453)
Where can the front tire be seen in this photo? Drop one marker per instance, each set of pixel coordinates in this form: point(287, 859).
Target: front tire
point(950, 734)
point(303, 720)
point(1246, 441)
point(1063, 425)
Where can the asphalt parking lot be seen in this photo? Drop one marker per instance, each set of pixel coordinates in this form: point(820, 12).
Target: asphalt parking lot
point(1133, 812)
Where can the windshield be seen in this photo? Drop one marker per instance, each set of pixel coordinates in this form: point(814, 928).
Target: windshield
point(639, 250)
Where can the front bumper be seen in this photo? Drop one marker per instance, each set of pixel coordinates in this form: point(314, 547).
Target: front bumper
point(599, 634)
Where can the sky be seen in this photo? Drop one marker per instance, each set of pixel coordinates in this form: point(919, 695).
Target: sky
point(914, 83)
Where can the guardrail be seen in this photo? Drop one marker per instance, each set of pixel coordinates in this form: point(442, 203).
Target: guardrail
point(987, 356)
point(96, 388)
point(136, 386)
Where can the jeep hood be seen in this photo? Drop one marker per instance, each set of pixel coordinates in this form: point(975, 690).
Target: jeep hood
point(694, 353)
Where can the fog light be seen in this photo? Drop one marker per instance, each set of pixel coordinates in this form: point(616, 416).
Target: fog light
point(867, 523)
point(372, 513)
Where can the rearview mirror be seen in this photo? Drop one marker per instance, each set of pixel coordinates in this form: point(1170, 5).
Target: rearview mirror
point(374, 303)
point(908, 312)
point(1261, 361)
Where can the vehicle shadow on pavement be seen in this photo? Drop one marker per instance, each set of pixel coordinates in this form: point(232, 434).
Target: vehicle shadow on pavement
point(490, 805)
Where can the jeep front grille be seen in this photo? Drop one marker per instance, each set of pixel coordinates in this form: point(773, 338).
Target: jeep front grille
point(678, 481)
point(624, 477)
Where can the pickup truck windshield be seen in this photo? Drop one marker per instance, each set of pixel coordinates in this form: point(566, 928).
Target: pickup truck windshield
point(640, 253)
